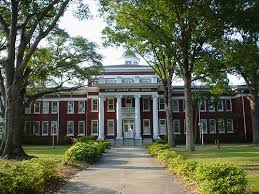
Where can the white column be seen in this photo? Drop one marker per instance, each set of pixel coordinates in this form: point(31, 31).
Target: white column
point(155, 117)
point(119, 118)
point(101, 118)
point(137, 117)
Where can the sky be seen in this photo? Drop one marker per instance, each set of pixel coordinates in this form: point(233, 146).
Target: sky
point(92, 30)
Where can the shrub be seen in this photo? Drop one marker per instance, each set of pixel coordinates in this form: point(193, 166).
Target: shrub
point(105, 144)
point(165, 155)
point(155, 148)
point(86, 139)
point(81, 151)
point(27, 176)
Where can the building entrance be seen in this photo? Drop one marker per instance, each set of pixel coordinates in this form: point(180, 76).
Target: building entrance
point(128, 128)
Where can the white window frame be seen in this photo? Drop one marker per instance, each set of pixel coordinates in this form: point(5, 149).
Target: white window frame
point(204, 127)
point(54, 112)
point(25, 125)
point(144, 132)
point(160, 126)
point(173, 107)
point(110, 120)
point(73, 107)
point(148, 101)
point(81, 111)
point(108, 105)
point(205, 107)
point(27, 109)
point(176, 121)
point(215, 126)
point(33, 128)
point(34, 107)
point(232, 124)
point(92, 105)
point(230, 100)
point(73, 127)
point(81, 134)
point(51, 127)
point(92, 122)
point(128, 104)
point(42, 128)
point(222, 105)
point(43, 107)
point(163, 99)
point(223, 124)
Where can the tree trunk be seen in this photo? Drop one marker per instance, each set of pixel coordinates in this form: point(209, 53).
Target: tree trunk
point(12, 143)
point(254, 103)
point(188, 115)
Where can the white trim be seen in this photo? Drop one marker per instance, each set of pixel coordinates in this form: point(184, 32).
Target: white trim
point(93, 97)
point(43, 112)
point(33, 128)
point(109, 120)
point(42, 128)
point(73, 128)
point(215, 126)
point(143, 104)
point(95, 134)
point(78, 107)
point(97, 108)
point(64, 99)
point(149, 133)
point(113, 94)
point(160, 127)
point(108, 100)
point(179, 125)
point(78, 124)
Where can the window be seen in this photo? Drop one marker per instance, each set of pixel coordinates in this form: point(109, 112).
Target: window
point(94, 105)
point(162, 126)
point(221, 126)
point(81, 106)
point(128, 102)
point(45, 107)
point(110, 104)
point(175, 105)
point(27, 127)
point(228, 104)
point(54, 128)
point(230, 128)
point(161, 104)
point(37, 107)
point(45, 128)
point(27, 109)
point(183, 105)
point(70, 107)
point(146, 127)
point(54, 107)
point(110, 127)
point(146, 104)
point(81, 128)
point(220, 105)
point(176, 126)
point(94, 127)
point(70, 128)
point(203, 106)
point(36, 128)
point(203, 126)
point(211, 105)
point(212, 126)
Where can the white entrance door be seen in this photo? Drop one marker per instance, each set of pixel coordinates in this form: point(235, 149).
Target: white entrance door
point(128, 128)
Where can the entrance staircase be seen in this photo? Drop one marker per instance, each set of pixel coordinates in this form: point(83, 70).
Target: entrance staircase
point(129, 142)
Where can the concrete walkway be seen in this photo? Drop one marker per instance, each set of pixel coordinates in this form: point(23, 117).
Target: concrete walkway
point(125, 171)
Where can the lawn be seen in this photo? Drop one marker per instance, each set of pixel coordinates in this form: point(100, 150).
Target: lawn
point(247, 156)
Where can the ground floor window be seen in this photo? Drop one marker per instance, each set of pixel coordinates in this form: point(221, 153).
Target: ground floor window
point(54, 128)
point(221, 126)
point(176, 126)
point(70, 128)
point(203, 126)
point(36, 128)
point(27, 127)
point(110, 127)
point(45, 128)
point(81, 128)
point(94, 127)
point(230, 128)
point(146, 127)
point(162, 127)
point(212, 126)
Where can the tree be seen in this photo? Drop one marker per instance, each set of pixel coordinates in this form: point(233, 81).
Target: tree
point(24, 25)
point(181, 29)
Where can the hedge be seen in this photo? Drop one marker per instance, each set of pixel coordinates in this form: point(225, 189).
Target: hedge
point(210, 178)
point(27, 176)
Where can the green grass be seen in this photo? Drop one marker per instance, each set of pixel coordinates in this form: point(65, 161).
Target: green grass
point(247, 156)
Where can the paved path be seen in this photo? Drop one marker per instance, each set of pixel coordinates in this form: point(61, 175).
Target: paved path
point(125, 171)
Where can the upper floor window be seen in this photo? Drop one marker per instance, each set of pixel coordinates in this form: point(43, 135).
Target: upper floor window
point(161, 103)
point(94, 104)
point(220, 105)
point(110, 104)
point(37, 107)
point(128, 102)
point(228, 104)
point(45, 107)
point(70, 107)
point(175, 105)
point(203, 105)
point(81, 107)
point(211, 105)
point(146, 104)
point(54, 107)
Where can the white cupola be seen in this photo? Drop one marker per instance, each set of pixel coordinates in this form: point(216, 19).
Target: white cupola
point(130, 58)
